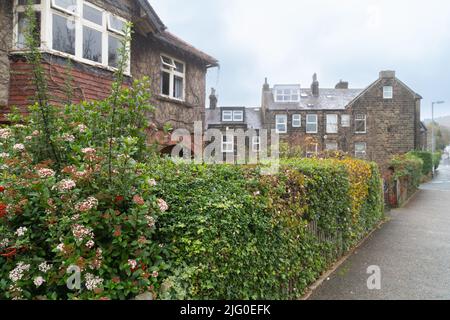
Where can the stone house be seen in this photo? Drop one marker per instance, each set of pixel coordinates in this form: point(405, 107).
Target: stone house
point(88, 33)
point(374, 123)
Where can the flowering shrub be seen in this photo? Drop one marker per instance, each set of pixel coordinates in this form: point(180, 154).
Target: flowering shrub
point(79, 215)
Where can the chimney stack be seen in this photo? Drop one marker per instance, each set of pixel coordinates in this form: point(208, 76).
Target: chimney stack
point(342, 85)
point(388, 74)
point(315, 86)
point(266, 86)
point(213, 99)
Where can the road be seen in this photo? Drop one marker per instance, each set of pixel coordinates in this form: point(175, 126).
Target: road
point(412, 251)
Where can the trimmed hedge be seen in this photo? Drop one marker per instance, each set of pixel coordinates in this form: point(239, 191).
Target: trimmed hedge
point(427, 158)
point(232, 233)
point(437, 157)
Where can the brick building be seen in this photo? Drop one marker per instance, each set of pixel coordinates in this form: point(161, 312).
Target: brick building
point(89, 33)
point(374, 123)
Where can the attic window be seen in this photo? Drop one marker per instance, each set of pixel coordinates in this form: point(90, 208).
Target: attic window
point(287, 94)
point(388, 92)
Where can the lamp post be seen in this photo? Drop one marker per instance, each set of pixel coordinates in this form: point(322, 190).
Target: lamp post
point(433, 138)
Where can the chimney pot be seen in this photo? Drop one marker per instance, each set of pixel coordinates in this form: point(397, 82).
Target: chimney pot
point(266, 86)
point(213, 99)
point(315, 86)
point(342, 85)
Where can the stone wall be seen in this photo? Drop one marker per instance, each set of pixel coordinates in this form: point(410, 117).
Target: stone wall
point(5, 45)
point(146, 61)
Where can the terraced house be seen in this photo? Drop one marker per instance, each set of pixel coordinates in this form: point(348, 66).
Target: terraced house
point(89, 33)
point(374, 123)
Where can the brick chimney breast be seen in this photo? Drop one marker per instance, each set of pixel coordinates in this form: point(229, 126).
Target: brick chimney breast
point(388, 74)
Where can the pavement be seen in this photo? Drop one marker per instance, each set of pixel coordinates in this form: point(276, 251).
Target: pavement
point(412, 251)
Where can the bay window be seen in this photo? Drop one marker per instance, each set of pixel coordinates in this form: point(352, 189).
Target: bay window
point(172, 78)
point(75, 28)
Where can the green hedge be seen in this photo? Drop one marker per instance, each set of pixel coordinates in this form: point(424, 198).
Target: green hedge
point(410, 167)
point(232, 233)
point(437, 156)
point(427, 158)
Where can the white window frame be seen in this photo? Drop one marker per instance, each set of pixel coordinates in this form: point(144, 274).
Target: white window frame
point(227, 145)
point(361, 154)
point(360, 117)
point(347, 122)
point(332, 127)
point(281, 119)
point(296, 121)
point(312, 153)
point(227, 116)
point(172, 74)
point(109, 24)
point(287, 94)
point(309, 122)
point(238, 116)
point(334, 144)
point(256, 143)
point(388, 92)
point(47, 8)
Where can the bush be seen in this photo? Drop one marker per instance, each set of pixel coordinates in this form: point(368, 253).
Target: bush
point(408, 167)
point(232, 233)
point(437, 157)
point(427, 158)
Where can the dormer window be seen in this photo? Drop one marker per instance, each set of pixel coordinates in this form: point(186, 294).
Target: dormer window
point(232, 116)
point(287, 93)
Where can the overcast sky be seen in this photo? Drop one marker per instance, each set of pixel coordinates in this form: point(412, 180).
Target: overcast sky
point(288, 40)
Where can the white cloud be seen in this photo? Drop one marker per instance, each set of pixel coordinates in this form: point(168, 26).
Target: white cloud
point(289, 40)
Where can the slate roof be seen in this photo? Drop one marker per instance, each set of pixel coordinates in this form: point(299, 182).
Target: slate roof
point(252, 119)
point(328, 99)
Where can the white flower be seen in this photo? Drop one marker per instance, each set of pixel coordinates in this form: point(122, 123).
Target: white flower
point(19, 126)
point(90, 244)
point(163, 206)
point(82, 128)
point(4, 155)
point(5, 133)
point(46, 173)
point(19, 147)
point(38, 281)
point(60, 247)
point(88, 151)
point(151, 182)
point(89, 204)
point(132, 263)
point(65, 185)
point(21, 231)
point(35, 133)
point(68, 138)
point(92, 282)
point(45, 267)
point(4, 243)
point(17, 274)
point(150, 221)
point(29, 138)
point(81, 232)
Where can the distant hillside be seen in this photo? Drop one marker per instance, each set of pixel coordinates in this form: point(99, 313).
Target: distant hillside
point(443, 121)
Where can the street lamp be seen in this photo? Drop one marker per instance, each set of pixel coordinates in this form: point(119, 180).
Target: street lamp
point(433, 138)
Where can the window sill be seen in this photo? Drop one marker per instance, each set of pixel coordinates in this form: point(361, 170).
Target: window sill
point(175, 101)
